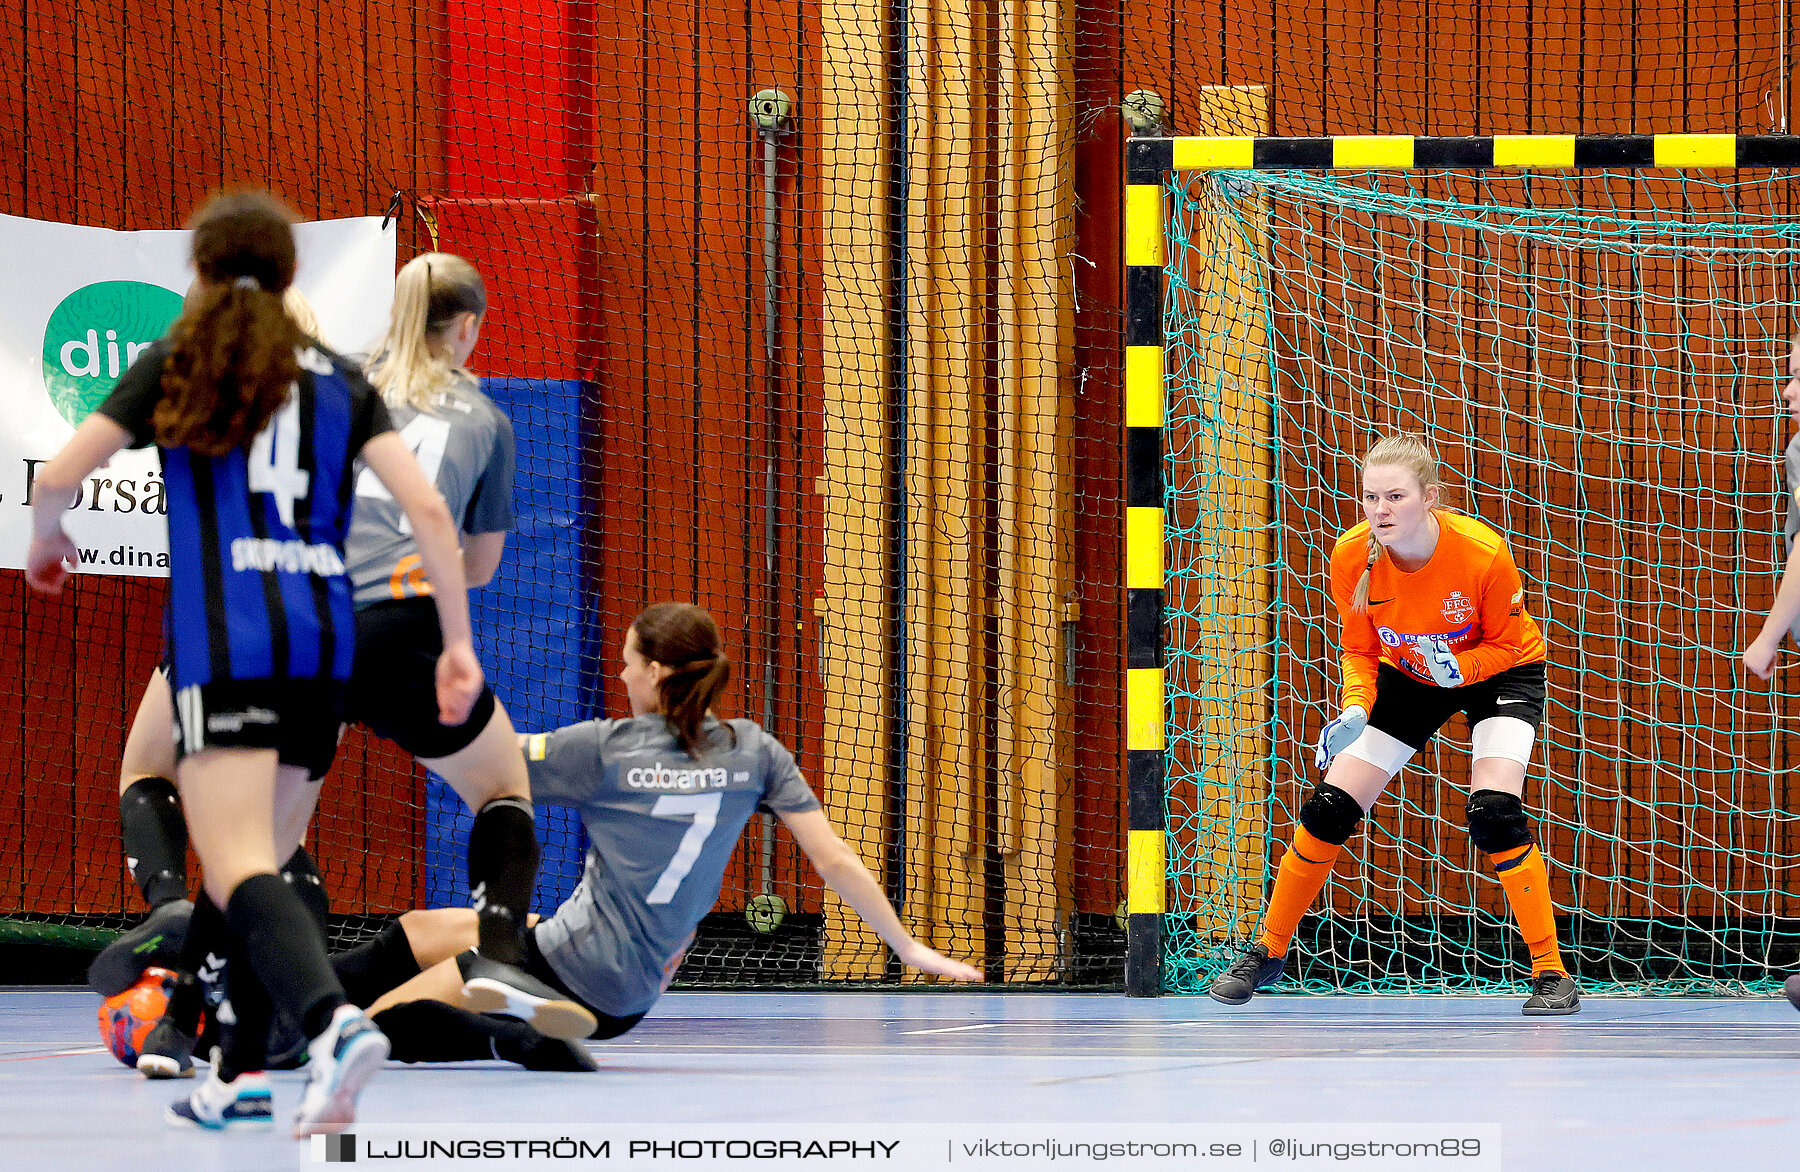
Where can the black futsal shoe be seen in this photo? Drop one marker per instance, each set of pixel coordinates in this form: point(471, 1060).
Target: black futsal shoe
point(154, 943)
point(492, 987)
point(1254, 970)
point(534, 1051)
point(1792, 988)
point(1551, 994)
point(167, 1052)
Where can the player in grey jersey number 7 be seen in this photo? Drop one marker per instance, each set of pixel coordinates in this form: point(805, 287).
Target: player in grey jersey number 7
point(664, 796)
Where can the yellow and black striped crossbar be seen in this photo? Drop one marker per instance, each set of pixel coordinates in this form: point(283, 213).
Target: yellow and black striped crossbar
point(1155, 156)
point(1145, 872)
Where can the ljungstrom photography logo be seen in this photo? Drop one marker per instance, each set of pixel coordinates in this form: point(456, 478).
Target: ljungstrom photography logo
point(92, 337)
point(334, 1149)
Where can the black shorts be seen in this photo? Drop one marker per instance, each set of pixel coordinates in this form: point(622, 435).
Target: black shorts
point(394, 690)
point(538, 965)
point(299, 719)
point(1412, 711)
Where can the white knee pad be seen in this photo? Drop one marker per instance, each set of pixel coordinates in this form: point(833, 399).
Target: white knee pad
point(1384, 752)
point(1503, 736)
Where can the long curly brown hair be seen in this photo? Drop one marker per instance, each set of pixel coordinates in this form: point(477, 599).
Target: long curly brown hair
point(232, 357)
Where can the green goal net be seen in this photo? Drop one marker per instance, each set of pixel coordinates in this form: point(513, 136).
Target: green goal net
point(1594, 356)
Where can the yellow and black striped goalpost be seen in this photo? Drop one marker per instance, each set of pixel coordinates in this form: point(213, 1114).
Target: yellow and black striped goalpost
point(1148, 162)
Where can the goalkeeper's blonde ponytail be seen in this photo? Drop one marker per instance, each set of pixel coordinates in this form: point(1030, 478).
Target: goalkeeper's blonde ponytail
point(1360, 602)
point(1407, 451)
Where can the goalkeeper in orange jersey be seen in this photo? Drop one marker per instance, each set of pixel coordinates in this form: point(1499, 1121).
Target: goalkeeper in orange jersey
point(1434, 623)
point(1783, 616)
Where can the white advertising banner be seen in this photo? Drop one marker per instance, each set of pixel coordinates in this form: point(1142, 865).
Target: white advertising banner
point(77, 304)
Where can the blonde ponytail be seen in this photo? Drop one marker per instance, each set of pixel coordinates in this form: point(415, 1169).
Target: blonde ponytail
point(1410, 452)
point(411, 366)
point(300, 312)
point(1360, 602)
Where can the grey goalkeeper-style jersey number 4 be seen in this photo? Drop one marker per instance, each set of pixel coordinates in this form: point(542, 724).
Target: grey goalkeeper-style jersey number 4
point(427, 436)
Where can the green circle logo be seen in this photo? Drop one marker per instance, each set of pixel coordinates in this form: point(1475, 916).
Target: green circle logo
point(93, 336)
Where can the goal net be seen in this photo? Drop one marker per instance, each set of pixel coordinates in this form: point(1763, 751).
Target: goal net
point(1594, 356)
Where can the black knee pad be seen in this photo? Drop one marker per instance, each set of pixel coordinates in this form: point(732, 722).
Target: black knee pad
point(1497, 821)
point(1330, 815)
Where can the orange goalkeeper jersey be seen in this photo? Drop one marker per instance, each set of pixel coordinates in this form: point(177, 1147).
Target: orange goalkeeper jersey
point(1468, 594)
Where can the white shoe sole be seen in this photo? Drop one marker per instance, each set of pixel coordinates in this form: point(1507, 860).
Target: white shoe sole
point(554, 1019)
point(162, 1066)
point(339, 1110)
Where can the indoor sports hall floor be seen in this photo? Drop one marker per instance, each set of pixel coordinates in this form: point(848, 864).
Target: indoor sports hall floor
point(1628, 1084)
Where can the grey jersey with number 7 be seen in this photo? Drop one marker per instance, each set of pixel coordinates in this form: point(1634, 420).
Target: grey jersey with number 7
point(662, 827)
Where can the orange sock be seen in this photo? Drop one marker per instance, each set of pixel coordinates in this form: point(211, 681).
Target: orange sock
point(1527, 883)
point(1303, 871)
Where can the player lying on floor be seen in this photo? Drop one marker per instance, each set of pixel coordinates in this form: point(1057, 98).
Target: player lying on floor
point(664, 796)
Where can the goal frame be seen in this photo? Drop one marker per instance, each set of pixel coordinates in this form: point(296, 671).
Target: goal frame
point(1149, 161)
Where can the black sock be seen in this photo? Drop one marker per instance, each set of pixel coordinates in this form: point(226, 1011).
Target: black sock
point(156, 839)
point(503, 862)
point(284, 947)
point(431, 1031)
point(186, 1000)
point(244, 1037)
point(303, 876)
point(375, 966)
point(203, 955)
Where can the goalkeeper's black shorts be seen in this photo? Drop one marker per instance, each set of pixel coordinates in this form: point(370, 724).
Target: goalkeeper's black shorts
point(1411, 712)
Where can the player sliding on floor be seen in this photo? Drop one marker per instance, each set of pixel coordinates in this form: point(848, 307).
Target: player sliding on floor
point(1434, 623)
point(664, 796)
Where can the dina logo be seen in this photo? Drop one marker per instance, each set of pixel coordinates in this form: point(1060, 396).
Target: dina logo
point(94, 335)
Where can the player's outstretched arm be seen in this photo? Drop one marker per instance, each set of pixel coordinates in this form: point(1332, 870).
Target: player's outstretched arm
point(845, 874)
point(459, 678)
point(95, 442)
point(1759, 657)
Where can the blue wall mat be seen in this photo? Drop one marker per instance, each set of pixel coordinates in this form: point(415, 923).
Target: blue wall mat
point(533, 630)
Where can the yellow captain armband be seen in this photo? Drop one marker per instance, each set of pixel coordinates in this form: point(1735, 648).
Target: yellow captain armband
point(534, 746)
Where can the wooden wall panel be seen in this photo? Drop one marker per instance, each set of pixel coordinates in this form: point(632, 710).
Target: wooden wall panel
point(52, 40)
point(126, 117)
point(340, 112)
point(1094, 619)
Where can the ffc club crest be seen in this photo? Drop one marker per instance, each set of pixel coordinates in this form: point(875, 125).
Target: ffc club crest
point(1458, 608)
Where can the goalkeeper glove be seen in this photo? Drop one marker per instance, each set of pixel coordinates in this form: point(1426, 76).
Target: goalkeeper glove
point(1440, 661)
point(1337, 735)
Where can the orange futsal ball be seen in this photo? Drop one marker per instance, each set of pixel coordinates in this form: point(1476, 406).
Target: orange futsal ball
point(127, 1018)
